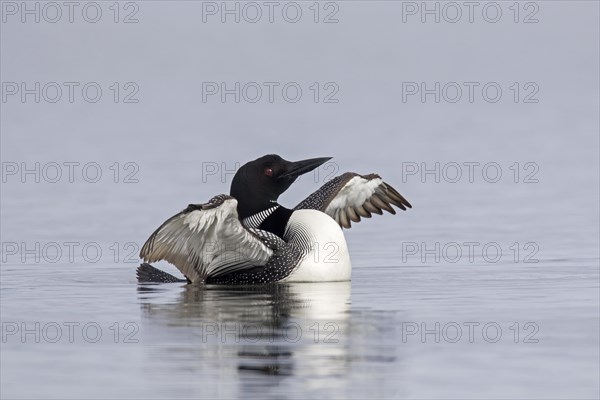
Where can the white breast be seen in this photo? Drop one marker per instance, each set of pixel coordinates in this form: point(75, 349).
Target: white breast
point(326, 257)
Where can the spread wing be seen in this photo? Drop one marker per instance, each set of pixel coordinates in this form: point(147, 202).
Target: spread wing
point(349, 197)
point(208, 240)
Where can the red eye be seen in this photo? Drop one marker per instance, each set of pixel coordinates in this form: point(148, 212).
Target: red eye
point(268, 172)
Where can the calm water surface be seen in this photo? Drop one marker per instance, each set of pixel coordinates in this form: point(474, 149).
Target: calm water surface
point(436, 331)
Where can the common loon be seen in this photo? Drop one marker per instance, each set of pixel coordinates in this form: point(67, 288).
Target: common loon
point(248, 238)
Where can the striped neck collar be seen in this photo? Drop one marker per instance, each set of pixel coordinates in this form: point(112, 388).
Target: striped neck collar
point(255, 220)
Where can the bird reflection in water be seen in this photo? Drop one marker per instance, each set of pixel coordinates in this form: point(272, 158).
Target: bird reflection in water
point(242, 333)
point(265, 322)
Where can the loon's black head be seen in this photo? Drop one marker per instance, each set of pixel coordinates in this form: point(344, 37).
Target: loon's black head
point(258, 184)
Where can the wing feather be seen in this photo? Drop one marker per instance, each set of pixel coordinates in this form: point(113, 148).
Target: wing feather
point(352, 214)
point(349, 197)
point(206, 240)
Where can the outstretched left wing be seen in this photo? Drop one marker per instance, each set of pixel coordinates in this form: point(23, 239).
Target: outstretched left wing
point(350, 196)
point(208, 240)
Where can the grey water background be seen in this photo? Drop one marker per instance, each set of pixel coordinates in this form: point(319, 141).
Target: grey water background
point(327, 340)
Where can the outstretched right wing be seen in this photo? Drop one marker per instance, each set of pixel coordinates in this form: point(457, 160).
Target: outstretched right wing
point(350, 196)
point(207, 240)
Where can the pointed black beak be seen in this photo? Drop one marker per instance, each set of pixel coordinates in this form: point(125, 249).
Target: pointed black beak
point(297, 168)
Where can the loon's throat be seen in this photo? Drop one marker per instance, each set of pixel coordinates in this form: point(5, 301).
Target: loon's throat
point(277, 221)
